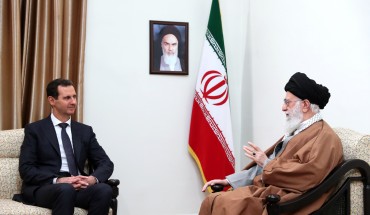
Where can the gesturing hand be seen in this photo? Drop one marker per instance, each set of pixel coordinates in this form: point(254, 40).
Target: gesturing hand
point(255, 153)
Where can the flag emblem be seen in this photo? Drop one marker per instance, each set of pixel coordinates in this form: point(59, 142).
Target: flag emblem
point(215, 87)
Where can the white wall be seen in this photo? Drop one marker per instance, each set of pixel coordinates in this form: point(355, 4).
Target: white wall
point(327, 40)
point(143, 120)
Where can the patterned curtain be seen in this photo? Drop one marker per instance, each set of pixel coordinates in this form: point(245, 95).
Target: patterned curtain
point(40, 40)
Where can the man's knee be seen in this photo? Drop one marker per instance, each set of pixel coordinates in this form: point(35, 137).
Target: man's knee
point(56, 194)
point(103, 190)
point(106, 189)
point(207, 204)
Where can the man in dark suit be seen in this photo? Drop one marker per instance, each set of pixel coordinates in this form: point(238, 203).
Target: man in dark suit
point(52, 172)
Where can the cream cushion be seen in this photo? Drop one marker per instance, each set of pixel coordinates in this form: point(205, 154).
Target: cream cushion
point(355, 145)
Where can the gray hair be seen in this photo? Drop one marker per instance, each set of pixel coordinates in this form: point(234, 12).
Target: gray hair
point(315, 108)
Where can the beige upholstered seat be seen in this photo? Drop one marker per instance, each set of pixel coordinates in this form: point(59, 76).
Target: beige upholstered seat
point(10, 181)
point(8, 207)
point(355, 146)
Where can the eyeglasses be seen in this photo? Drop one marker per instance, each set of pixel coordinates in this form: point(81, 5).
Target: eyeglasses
point(287, 101)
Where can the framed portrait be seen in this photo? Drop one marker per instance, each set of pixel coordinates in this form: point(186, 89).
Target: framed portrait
point(169, 51)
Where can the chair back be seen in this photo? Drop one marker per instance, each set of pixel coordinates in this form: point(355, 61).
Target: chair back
point(10, 181)
point(355, 146)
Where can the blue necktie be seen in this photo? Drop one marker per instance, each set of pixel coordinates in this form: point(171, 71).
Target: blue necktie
point(67, 145)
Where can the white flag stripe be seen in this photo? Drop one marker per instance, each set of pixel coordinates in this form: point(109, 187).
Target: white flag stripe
point(221, 114)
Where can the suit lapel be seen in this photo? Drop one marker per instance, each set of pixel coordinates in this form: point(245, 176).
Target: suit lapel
point(51, 135)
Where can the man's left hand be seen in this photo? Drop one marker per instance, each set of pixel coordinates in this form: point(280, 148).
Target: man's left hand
point(255, 153)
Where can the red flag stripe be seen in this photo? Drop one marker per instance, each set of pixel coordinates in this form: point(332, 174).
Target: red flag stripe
point(213, 160)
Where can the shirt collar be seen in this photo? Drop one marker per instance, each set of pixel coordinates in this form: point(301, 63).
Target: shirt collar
point(56, 121)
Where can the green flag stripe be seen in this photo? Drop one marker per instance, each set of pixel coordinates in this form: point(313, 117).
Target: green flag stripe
point(215, 28)
point(212, 41)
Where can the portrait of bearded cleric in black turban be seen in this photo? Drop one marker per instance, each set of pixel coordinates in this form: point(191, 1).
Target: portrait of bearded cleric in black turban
point(168, 48)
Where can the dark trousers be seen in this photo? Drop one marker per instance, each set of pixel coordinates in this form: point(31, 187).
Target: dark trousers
point(62, 198)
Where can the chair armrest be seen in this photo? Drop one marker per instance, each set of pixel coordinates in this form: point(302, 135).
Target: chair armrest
point(272, 199)
point(331, 180)
point(114, 184)
point(217, 188)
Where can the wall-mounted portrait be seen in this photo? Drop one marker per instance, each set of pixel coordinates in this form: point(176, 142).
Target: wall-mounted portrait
point(168, 47)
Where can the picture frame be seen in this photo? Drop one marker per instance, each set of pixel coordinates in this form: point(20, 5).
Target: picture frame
point(171, 38)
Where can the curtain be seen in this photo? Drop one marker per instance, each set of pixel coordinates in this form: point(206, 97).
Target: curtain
point(40, 40)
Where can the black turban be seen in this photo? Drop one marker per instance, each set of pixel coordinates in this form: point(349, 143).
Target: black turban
point(170, 29)
point(305, 88)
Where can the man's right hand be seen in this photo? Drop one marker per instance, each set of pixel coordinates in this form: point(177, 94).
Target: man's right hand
point(77, 182)
point(215, 181)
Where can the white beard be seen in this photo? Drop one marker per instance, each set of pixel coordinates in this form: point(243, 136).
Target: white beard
point(294, 118)
point(170, 59)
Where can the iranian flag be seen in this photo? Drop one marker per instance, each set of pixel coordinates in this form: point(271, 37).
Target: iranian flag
point(210, 139)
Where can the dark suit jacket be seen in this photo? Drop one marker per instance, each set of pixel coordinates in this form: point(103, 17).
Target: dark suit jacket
point(40, 159)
